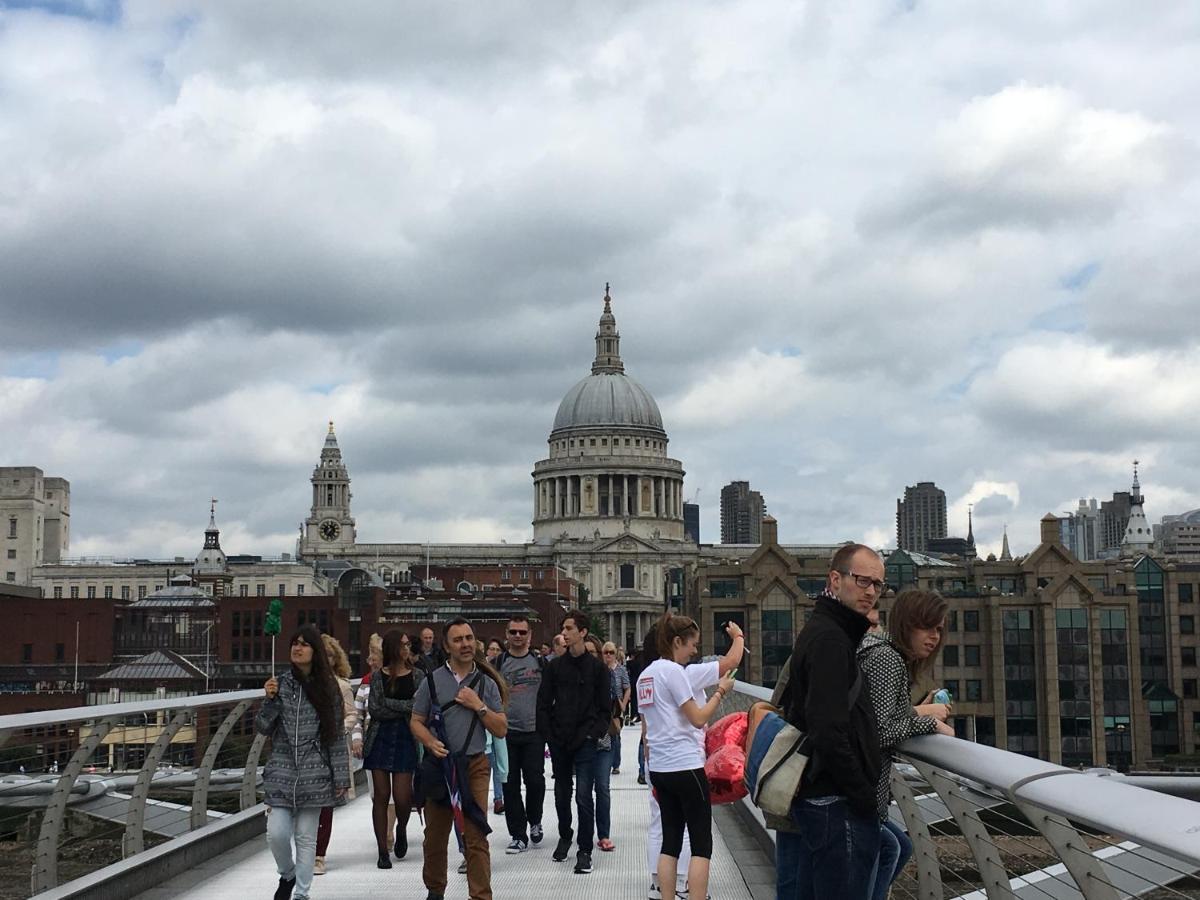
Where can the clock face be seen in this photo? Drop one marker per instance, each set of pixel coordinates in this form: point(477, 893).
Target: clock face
point(330, 530)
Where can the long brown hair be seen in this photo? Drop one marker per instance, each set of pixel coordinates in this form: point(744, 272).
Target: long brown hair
point(671, 626)
point(482, 664)
point(319, 686)
point(915, 609)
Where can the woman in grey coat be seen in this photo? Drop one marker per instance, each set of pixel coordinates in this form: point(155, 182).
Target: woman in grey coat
point(309, 767)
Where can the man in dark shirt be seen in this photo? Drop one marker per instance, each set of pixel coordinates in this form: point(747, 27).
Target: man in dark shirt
point(831, 856)
point(573, 714)
point(526, 747)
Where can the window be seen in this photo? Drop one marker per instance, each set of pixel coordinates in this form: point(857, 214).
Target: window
point(952, 620)
point(74, 592)
point(244, 590)
point(603, 442)
point(124, 592)
point(299, 590)
point(141, 591)
point(971, 655)
point(725, 587)
point(11, 576)
point(1187, 624)
point(91, 592)
point(108, 592)
point(627, 575)
point(950, 656)
point(12, 553)
point(58, 593)
point(970, 620)
point(1185, 593)
point(974, 689)
point(27, 653)
point(12, 528)
point(591, 442)
point(1189, 688)
point(524, 576)
point(260, 590)
point(283, 590)
point(60, 654)
point(1187, 656)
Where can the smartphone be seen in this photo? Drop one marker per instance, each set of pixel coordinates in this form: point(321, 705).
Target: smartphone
point(732, 674)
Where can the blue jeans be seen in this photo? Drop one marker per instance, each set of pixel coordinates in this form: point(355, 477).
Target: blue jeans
point(300, 825)
point(497, 781)
point(573, 773)
point(616, 750)
point(601, 774)
point(833, 855)
point(895, 848)
point(642, 760)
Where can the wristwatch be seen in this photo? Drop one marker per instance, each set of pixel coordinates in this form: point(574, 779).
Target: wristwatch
point(482, 711)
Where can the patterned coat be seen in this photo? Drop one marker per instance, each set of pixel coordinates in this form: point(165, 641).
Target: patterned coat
point(896, 721)
point(300, 773)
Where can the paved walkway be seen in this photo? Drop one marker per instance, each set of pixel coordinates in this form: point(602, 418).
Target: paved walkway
point(249, 872)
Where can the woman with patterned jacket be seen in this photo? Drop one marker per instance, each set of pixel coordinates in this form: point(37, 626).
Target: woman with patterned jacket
point(340, 665)
point(890, 663)
point(309, 766)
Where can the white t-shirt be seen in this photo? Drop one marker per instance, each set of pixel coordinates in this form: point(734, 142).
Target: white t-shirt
point(676, 745)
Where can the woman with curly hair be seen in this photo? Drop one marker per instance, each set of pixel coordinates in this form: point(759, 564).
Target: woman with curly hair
point(340, 664)
point(309, 767)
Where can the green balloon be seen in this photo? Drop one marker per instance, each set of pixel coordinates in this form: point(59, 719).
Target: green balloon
point(274, 621)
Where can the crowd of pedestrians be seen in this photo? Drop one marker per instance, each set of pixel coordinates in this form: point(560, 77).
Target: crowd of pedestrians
point(454, 728)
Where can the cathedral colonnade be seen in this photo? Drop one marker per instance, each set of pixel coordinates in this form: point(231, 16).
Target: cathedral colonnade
point(608, 494)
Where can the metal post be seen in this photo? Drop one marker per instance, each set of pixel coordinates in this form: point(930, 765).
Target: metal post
point(204, 773)
point(929, 873)
point(992, 873)
point(1073, 850)
point(45, 862)
point(134, 841)
point(250, 773)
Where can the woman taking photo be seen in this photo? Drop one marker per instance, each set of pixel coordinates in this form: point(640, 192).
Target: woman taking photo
point(309, 768)
point(340, 665)
point(389, 751)
point(891, 662)
point(675, 739)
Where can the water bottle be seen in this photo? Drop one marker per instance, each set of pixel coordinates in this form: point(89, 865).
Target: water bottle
point(941, 695)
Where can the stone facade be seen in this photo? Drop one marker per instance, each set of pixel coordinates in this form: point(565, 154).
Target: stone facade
point(35, 517)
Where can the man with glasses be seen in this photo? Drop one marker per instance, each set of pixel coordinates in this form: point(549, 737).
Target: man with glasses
point(526, 747)
point(832, 853)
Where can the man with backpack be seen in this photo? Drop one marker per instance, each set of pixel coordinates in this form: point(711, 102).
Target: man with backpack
point(832, 855)
point(526, 746)
point(467, 702)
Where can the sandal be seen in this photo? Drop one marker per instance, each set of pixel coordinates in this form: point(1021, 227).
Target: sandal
point(606, 845)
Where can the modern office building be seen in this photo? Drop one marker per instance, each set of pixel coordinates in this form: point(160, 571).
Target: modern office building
point(920, 516)
point(742, 512)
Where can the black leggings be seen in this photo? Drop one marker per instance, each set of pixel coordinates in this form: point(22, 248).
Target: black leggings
point(683, 799)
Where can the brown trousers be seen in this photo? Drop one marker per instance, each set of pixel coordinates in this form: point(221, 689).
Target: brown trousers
point(439, 823)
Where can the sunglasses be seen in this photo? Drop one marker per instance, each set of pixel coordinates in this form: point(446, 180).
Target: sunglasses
point(518, 631)
point(610, 652)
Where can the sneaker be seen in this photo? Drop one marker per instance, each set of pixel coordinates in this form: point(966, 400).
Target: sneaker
point(641, 779)
point(563, 849)
point(683, 895)
point(462, 866)
point(616, 771)
point(535, 833)
point(655, 892)
point(319, 865)
point(516, 845)
point(583, 862)
point(284, 891)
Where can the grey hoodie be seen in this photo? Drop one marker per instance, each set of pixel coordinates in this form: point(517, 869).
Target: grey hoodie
point(301, 773)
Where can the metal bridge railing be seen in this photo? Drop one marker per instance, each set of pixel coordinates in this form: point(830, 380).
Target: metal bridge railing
point(988, 823)
point(89, 786)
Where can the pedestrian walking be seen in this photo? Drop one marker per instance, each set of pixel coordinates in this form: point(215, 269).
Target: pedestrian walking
point(614, 659)
point(526, 745)
point(458, 699)
point(674, 739)
point(340, 666)
point(573, 713)
point(429, 654)
point(389, 749)
point(891, 662)
point(602, 763)
point(308, 768)
point(831, 854)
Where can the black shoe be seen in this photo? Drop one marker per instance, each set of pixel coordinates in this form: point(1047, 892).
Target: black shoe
point(384, 861)
point(284, 891)
point(563, 849)
point(641, 779)
point(432, 896)
point(401, 844)
point(583, 862)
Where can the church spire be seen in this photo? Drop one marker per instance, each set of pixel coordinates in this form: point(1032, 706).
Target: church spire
point(212, 536)
point(608, 341)
point(1138, 535)
point(1005, 553)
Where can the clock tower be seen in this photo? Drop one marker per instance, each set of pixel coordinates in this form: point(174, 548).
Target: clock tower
point(329, 528)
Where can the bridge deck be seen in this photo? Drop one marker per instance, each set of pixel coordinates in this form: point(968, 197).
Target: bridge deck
point(352, 874)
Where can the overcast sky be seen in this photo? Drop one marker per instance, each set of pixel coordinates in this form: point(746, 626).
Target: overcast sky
point(851, 246)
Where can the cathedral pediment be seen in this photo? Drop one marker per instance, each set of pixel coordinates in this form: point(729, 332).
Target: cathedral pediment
point(626, 543)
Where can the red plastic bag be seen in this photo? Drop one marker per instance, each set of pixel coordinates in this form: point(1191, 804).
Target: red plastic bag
point(725, 770)
point(729, 730)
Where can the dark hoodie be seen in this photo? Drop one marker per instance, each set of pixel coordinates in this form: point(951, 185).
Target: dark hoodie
point(845, 758)
point(574, 701)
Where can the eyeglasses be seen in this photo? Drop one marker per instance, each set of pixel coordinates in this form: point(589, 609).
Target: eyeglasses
point(610, 652)
point(518, 631)
point(865, 581)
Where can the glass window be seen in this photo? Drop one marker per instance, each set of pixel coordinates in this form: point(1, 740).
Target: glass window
point(1185, 593)
point(628, 575)
point(1187, 625)
point(108, 592)
point(244, 590)
point(950, 656)
point(91, 592)
point(58, 593)
point(952, 620)
point(299, 590)
point(971, 655)
point(725, 587)
point(970, 620)
point(1187, 656)
point(74, 592)
point(260, 590)
point(1189, 688)
point(974, 689)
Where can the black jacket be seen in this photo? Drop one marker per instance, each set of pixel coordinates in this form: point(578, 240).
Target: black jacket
point(574, 702)
point(845, 758)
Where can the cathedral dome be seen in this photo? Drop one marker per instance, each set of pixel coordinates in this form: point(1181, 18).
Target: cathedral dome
point(608, 398)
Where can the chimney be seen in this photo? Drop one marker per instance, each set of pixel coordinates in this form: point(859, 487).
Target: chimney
point(1051, 529)
point(770, 530)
